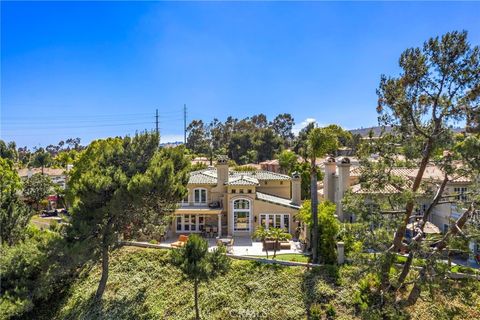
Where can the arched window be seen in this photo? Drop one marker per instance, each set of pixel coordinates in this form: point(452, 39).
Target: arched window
point(200, 196)
point(241, 215)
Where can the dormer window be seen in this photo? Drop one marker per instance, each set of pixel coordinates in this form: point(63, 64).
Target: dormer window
point(200, 196)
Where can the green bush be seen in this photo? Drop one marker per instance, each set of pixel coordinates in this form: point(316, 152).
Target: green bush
point(31, 271)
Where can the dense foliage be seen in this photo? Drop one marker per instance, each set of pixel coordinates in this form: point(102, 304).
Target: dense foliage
point(252, 139)
point(121, 183)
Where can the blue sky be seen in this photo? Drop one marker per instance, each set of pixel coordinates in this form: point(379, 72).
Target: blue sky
point(98, 69)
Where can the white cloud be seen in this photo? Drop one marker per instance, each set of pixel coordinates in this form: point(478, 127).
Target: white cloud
point(299, 126)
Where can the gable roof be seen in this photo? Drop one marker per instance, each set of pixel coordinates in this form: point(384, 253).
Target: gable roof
point(242, 181)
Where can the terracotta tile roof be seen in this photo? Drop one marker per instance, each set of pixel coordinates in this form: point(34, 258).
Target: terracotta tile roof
point(242, 180)
point(46, 171)
point(276, 200)
point(209, 176)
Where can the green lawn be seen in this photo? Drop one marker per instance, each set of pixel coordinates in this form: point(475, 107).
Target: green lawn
point(295, 257)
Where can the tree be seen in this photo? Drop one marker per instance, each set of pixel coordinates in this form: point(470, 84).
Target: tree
point(328, 228)
point(36, 189)
point(287, 160)
point(197, 140)
point(117, 184)
point(267, 143)
point(261, 233)
point(8, 150)
point(283, 125)
point(321, 141)
point(14, 215)
point(277, 235)
point(439, 84)
point(198, 265)
point(41, 158)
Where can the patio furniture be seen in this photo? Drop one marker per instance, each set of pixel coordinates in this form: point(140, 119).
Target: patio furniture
point(208, 231)
point(182, 240)
point(285, 245)
point(227, 242)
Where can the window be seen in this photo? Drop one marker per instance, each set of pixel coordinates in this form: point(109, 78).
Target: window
point(234, 191)
point(249, 190)
point(200, 196)
point(241, 215)
point(241, 190)
point(190, 223)
point(460, 193)
point(275, 220)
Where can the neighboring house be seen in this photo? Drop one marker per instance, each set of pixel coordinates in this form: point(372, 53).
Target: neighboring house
point(58, 176)
point(236, 203)
point(270, 165)
point(341, 176)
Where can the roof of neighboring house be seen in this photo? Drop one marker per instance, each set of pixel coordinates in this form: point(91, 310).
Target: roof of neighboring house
point(46, 171)
point(209, 176)
point(276, 200)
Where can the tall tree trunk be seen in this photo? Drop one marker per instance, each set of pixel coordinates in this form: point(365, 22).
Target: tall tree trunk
point(104, 278)
point(314, 203)
point(195, 289)
point(105, 260)
point(419, 237)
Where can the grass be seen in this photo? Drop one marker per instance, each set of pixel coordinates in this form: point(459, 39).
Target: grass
point(144, 285)
point(295, 257)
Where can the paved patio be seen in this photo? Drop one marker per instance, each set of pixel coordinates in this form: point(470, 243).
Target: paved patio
point(244, 246)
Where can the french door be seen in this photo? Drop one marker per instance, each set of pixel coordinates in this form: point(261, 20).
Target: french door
point(275, 220)
point(190, 223)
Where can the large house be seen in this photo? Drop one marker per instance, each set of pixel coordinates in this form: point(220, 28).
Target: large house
point(341, 176)
point(235, 203)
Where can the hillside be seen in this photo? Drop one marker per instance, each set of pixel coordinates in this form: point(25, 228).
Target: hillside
point(143, 285)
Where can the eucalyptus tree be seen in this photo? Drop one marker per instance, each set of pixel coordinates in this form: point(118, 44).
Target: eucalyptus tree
point(117, 184)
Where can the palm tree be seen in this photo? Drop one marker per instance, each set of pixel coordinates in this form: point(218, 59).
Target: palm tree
point(278, 234)
point(197, 264)
point(262, 234)
point(321, 141)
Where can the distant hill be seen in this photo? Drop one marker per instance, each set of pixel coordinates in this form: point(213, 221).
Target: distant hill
point(364, 132)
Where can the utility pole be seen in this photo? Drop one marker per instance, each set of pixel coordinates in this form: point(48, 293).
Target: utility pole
point(156, 121)
point(185, 124)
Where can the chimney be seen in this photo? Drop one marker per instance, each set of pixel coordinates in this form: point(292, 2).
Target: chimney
point(296, 188)
point(343, 184)
point(329, 179)
point(222, 170)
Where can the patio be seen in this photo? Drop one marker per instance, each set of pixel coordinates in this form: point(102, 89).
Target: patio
point(244, 246)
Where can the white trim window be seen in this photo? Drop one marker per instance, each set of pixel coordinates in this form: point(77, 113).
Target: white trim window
point(189, 223)
point(275, 220)
point(242, 212)
point(200, 196)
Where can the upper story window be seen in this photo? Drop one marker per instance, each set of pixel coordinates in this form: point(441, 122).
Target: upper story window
point(461, 193)
point(200, 196)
